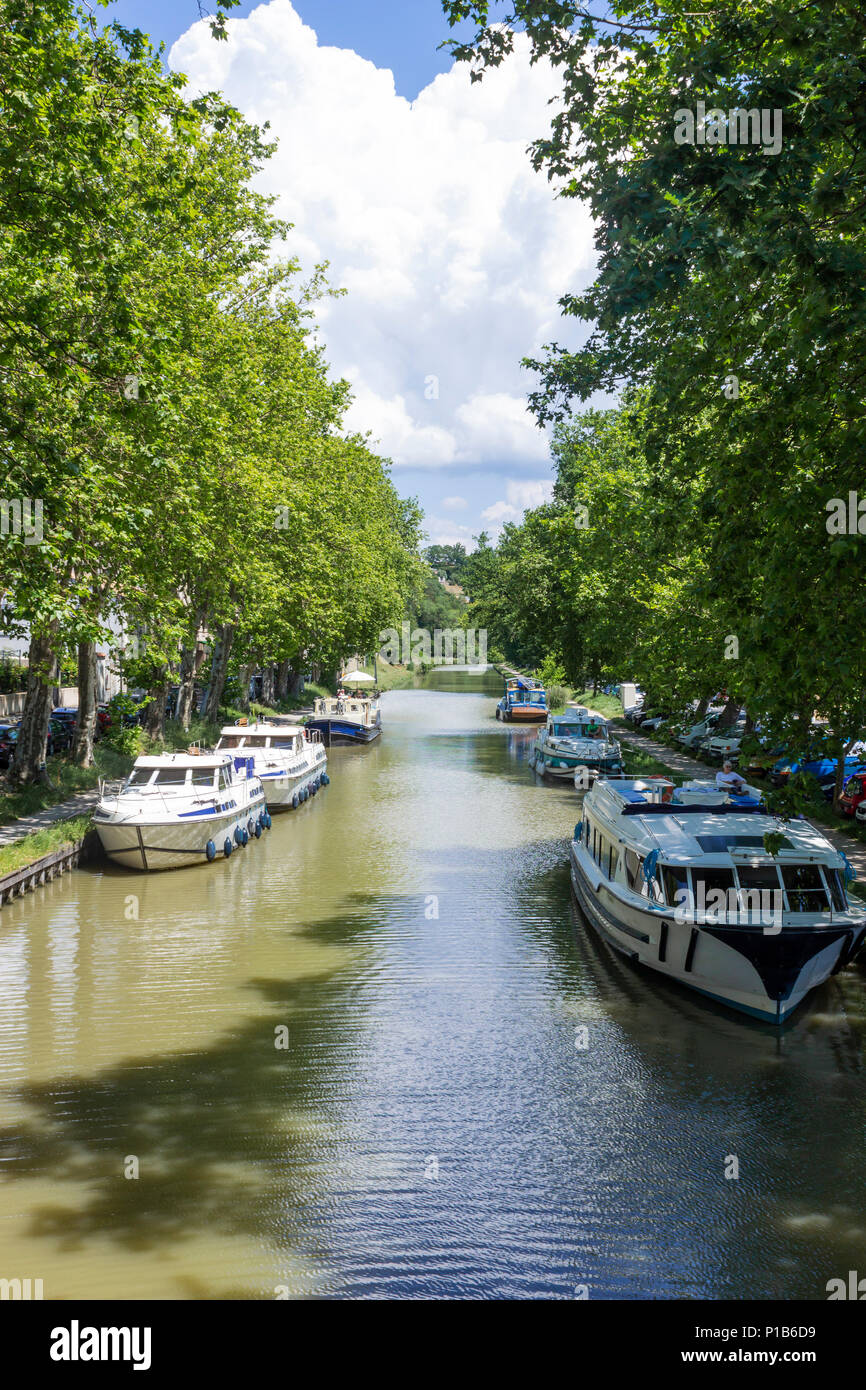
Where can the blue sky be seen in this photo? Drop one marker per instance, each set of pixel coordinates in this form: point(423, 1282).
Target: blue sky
point(402, 35)
point(416, 187)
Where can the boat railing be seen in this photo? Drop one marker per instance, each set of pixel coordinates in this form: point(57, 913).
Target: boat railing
point(108, 787)
point(313, 735)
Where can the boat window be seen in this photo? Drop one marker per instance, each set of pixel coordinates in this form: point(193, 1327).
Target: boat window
point(833, 880)
point(713, 880)
point(614, 862)
point(675, 878)
point(230, 741)
point(805, 888)
point(566, 729)
point(138, 776)
point(225, 779)
point(171, 777)
point(757, 879)
point(203, 777)
point(633, 863)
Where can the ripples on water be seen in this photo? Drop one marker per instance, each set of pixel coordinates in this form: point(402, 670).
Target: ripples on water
point(431, 1128)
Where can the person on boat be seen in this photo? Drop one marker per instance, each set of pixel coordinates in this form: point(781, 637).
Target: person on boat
point(729, 781)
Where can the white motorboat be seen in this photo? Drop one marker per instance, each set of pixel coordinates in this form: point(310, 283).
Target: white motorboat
point(576, 745)
point(290, 760)
point(176, 809)
point(680, 880)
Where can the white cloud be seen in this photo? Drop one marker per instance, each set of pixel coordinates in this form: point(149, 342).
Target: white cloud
point(454, 504)
point(444, 531)
point(454, 251)
point(519, 497)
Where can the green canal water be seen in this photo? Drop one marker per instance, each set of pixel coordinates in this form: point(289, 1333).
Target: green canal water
point(430, 1127)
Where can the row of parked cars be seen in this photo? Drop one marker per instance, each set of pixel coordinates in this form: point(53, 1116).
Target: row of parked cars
point(723, 744)
point(61, 732)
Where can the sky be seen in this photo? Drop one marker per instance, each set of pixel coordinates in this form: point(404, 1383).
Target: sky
point(416, 186)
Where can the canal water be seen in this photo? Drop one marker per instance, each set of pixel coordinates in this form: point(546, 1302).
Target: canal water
point(349, 1062)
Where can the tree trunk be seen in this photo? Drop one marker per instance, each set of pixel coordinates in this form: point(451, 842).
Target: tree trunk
point(154, 720)
point(218, 671)
point(268, 684)
point(729, 714)
point(295, 683)
point(190, 665)
point(29, 763)
point(244, 676)
point(701, 711)
point(85, 725)
point(283, 681)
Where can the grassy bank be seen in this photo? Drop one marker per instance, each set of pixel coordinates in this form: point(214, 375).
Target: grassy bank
point(48, 841)
point(66, 780)
point(608, 705)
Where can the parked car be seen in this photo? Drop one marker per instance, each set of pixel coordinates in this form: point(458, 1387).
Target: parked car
point(8, 736)
point(853, 793)
point(725, 745)
point(654, 722)
point(691, 734)
point(63, 722)
point(824, 769)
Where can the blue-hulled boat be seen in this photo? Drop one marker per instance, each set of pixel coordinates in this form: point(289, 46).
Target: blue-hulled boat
point(525, 700)
point(346, 719)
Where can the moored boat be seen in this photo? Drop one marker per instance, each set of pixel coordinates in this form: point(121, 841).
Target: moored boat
point(576, 745)
point(525, 700)
point(346, 719)
point(679, 880)
point(289, 760)
point(177, 809)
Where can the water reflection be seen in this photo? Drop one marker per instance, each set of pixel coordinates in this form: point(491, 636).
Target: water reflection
point(431, 1129)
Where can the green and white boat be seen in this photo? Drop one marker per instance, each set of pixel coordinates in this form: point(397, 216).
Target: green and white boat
point(577, 745)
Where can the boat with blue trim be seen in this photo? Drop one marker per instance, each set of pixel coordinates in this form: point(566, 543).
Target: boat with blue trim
point(681, 879)
point(289, 759)
point(177, 809)
point(577, 745)
point(525, 700)
point(346, 719)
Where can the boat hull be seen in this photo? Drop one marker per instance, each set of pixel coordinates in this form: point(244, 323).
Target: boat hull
point(763, 975)
point(281, 788)
point(155, 845)
point(521, 712)
point(343, 731)
point(569, 765)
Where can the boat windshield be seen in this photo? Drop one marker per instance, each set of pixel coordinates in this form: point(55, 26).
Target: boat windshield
point(572, 728)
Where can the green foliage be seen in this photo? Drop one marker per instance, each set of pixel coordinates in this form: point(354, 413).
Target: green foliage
point(161, 391)
point(730, 300)
point(551, 672)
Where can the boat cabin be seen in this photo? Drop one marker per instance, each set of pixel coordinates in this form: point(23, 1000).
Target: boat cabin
point(176, 773)
point(696, 845)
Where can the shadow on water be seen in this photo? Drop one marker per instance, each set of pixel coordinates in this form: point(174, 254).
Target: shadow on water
point(217, 1132)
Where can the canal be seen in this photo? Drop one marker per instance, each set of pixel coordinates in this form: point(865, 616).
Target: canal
point(377, 1055)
